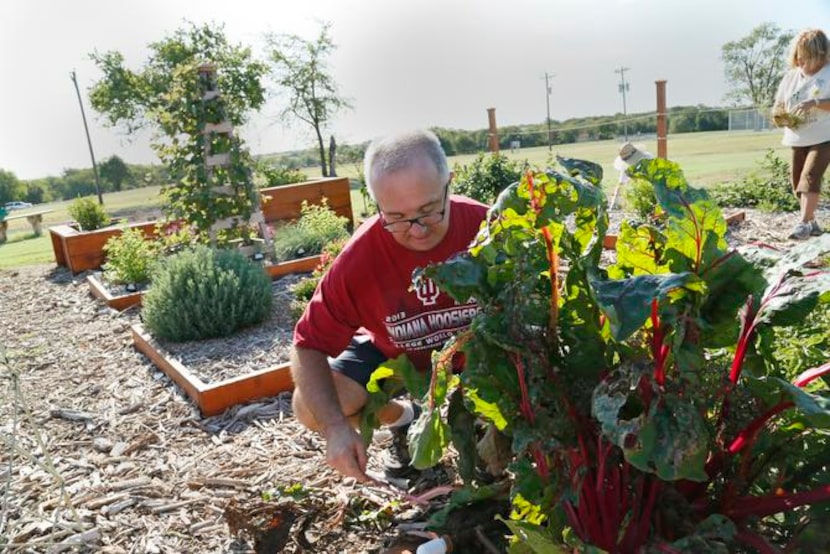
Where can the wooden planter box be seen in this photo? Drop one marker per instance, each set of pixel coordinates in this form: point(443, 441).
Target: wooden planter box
point(283, 204)
point(301, 265)
point(214, 399)
point(119, 303)
point(82, 250)
point(122, 302)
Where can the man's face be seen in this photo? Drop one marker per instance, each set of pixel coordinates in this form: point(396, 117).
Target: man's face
point(414, 192)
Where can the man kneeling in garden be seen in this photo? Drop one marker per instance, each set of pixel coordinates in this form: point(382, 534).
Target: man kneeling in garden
point(365, 309)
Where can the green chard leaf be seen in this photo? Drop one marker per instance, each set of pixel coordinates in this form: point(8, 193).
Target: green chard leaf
point(670, 439)
point(428, 437)
point(384, 383)
point(590, 171)
point(814, 408)
point(627, 302)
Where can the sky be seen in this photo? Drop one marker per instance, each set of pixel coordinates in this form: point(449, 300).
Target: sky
point(401, 64)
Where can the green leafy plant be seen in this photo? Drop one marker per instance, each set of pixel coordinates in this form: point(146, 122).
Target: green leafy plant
point(769, 190)
point(642, 403)
point(202, 293)
point(485, 177)
point(129, 258)
point(640, 199)
point(172, 237)
point(88, 213)
point(275, 176)
point(317, 226)
point(304, 288)
point(796, 349)
point(168, 93)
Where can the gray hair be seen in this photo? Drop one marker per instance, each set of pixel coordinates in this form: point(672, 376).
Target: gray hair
point(401, 151)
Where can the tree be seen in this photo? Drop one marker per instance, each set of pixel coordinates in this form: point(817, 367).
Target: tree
point(149, 96)
point(754, 64)
point(169, 93)
point(77, 182)
point(115, 172)
point(300, 69)
point(10, 188)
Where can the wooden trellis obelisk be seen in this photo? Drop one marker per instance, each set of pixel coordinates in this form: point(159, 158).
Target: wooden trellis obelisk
point(213, 162)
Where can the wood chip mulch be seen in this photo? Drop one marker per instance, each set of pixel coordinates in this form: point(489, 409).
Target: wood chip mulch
point(102, 452)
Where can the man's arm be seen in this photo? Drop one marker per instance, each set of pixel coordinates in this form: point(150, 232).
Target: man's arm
point(318, 396)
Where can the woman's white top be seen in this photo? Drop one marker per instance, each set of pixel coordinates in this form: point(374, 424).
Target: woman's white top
point(796, 87)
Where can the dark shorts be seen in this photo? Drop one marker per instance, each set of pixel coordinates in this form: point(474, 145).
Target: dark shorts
point(358, 360)
point(809, 165)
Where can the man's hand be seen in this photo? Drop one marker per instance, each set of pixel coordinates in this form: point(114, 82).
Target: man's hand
point(345, 451)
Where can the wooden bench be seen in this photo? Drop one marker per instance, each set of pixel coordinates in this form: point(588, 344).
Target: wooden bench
point(35, 219)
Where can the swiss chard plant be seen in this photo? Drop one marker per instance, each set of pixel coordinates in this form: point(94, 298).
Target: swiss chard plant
point(644, 406)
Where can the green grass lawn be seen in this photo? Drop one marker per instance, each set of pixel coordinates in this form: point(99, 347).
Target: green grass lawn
point(26, 249)
point(706, 158)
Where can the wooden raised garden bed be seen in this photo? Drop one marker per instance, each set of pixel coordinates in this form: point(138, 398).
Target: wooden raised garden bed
point(214, 399)
point(119, 302)
point(124, 301)
point(283, 203)
point(82, 250)
point(300, 265)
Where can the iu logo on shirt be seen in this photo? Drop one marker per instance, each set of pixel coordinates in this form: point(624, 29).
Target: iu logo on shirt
point(427, 291)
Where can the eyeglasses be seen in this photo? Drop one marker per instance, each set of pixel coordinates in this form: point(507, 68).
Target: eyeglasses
point(426, 220)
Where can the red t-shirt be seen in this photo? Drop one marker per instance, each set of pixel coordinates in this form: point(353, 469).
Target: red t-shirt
point(369, 289)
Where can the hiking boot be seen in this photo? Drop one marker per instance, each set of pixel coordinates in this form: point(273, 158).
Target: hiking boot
point(815, 230)
point(802, 231)
point(396, 458)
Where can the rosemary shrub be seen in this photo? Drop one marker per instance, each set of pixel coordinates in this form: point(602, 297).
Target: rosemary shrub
point(203, 293)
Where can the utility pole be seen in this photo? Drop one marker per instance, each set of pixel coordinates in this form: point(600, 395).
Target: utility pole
point(623, 87)
point(88, 140)
point(548, 77)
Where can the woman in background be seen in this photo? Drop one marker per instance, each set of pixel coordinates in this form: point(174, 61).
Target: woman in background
point(802, 107)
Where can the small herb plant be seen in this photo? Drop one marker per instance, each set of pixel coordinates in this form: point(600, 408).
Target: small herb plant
point(645, 408)
point(88, 213)
point(130, 258)
point(304, 288)
point(317, 226)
